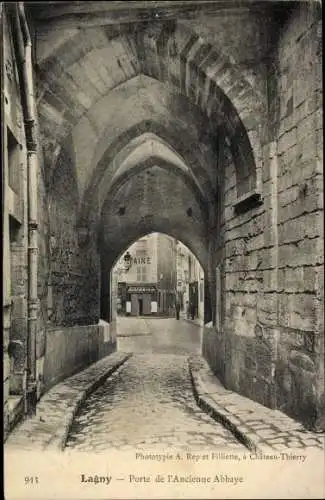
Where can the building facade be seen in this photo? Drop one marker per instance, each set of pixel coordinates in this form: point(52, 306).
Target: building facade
point(146, 284)
point(166, 274)
point(17, 298)
point(190, 283)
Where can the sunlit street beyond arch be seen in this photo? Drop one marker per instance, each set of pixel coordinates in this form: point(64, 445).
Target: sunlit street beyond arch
point(158, 335)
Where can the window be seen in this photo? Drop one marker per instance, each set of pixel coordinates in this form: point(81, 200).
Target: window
point(141, 273)
point(13, 161)
point(14, 227)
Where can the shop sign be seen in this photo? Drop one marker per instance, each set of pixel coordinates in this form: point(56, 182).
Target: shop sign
point(141, 289)
point(141, 260)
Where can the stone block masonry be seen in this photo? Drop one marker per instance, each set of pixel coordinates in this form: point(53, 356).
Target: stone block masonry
point(272, 335)
point(300, 220)
point(71, 349)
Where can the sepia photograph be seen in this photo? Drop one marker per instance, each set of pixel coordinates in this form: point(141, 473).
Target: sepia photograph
point(163, 249)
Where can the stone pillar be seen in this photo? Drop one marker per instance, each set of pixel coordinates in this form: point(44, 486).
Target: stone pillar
point(105, 292)
point(207, 301)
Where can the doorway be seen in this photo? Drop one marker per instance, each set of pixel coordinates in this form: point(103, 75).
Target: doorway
point(140, 302)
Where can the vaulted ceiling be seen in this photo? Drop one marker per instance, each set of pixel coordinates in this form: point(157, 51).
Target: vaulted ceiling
point(135, 98)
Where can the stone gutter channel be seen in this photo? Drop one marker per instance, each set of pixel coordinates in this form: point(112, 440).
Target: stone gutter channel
point(259, 428)
point(205, 401)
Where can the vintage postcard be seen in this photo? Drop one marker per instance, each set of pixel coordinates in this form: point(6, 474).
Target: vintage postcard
point(163, 256)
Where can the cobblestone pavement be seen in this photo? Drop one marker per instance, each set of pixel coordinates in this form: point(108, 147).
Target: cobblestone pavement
point(56, 409)
point(259, 427)
point(158, 335)
point(147, 404)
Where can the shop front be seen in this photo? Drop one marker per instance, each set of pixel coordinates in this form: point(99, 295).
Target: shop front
point(141, 300)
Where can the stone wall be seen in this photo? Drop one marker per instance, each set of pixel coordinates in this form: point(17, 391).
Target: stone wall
point(300, 360)
point(43, 271)
point(69, 350)
point(67, 278)
point(72, 277)
point(248, 313)
point(160, 206)
point(269, 344)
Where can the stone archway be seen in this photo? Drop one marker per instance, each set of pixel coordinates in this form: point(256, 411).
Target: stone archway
point(166, 81)
point(110, 91)
point(154, 199)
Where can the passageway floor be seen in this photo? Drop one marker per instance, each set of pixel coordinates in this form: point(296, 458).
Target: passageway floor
point(156, 392)
point(148, 404)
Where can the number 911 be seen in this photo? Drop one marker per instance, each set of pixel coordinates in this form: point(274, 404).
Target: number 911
point(31, 480)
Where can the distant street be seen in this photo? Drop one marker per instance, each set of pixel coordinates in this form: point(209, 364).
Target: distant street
point(158, 335)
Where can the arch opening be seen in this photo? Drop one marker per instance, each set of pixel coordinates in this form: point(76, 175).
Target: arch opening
point(195, 115)
point(156, 277)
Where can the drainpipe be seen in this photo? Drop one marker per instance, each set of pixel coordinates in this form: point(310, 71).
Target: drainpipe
point(29, 106)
